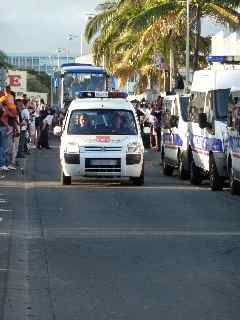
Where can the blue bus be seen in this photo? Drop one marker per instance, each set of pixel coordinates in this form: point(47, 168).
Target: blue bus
point(75, 78)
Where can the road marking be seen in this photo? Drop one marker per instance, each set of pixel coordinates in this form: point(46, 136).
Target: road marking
point(3, 201)
point(132, 233)
point(1, 219)
point(5, 210)
point(100, 186)
point(4, 234)
point(3, 270)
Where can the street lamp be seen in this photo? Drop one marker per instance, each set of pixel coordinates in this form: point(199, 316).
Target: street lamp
point(188, 43)
point(72, 36)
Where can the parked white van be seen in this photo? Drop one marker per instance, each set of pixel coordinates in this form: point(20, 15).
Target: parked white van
point(233, 138)
point(101, 138)
point(175, 135)
point(207, 115)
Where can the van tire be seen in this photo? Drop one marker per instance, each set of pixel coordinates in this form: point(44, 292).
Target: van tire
point(195, 174)
point(167, 169)
point(216, 182)
point(65, 180)
point(138, 181)
point(234, 184)
point(182, 172)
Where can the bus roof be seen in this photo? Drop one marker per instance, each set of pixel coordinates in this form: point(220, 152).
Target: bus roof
point(81, 68)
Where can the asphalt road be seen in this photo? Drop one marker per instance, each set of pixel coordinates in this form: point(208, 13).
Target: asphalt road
point(107, 251)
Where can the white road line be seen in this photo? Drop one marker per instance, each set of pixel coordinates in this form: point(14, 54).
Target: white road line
point(5, 210)
point(4, 234)
point(135, 233)
point(3, 270)
point(1, 219)
point(3, 201)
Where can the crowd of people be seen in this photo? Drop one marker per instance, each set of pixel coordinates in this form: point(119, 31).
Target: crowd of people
point(150, 116)
point(24, 125)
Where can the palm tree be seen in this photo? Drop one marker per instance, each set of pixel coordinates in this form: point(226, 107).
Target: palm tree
point(3, 60)
point(126, 33)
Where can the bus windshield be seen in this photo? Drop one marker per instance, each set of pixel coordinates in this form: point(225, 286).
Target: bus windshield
point(74, 83)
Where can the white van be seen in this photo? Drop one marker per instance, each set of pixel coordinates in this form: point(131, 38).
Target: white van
point(175, 135)
point(101, 138)
point(233, 138)
point(207, 115)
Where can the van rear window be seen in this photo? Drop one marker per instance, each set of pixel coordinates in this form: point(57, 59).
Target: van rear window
point(221, 98)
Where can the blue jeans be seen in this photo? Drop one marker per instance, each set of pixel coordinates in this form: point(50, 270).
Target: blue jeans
point(4, 147)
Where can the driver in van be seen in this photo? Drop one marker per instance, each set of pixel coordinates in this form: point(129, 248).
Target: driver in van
point(83, 121)
point(80, 123)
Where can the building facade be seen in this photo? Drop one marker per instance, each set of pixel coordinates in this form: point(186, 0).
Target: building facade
point(40, 63)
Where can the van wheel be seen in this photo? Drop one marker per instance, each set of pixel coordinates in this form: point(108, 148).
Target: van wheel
point(65, 180)
point(167, 170)
point(182, 172)
point(216, 182)
point(138, 181)
point(234, 184)
point(195, 174)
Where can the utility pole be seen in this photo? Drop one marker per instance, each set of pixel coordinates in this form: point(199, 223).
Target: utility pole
point(188, 43)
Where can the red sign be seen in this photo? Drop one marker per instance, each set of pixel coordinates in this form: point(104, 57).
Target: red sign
point(15, 80)
point(103, 139)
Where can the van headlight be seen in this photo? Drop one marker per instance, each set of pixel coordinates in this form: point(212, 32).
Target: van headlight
point(72, 148)
point(134, 148)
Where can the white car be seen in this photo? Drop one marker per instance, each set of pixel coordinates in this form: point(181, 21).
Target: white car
point(101, 138)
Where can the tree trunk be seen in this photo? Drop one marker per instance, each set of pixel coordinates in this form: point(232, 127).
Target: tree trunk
point(172, 65)
point(197, 39)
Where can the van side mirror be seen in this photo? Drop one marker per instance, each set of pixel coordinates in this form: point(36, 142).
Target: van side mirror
point(57, 131)
point(173, 121)
point(202, 120)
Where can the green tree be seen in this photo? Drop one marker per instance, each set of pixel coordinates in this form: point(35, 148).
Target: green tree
point(3, 60)
point(126, 33)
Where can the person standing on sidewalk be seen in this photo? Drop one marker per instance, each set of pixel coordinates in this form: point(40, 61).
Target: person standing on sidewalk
point(24, 124)
point(47, 122)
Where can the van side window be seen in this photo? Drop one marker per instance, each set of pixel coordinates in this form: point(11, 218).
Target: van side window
point(175, 108)
point(167, 107)
point(234, 108)
point(196, 105)
point(209, 107)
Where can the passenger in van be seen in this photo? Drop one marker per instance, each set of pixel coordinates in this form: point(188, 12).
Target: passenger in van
point(117, 121)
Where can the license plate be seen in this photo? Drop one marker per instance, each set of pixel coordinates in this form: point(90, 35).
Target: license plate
point(103, 162)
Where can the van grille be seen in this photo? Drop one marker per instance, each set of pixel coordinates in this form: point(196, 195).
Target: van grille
point(102, 149)
point(91, 166)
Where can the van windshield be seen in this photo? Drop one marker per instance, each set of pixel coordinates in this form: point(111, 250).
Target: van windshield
point(99, 121)
point(221, 98)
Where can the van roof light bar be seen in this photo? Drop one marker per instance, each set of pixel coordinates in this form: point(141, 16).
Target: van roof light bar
point(102, 94)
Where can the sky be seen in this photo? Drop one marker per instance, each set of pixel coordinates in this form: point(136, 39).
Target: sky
point(42, 26)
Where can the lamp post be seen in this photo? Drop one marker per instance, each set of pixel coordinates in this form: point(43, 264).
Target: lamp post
point(72, 36)
point(188, 43)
